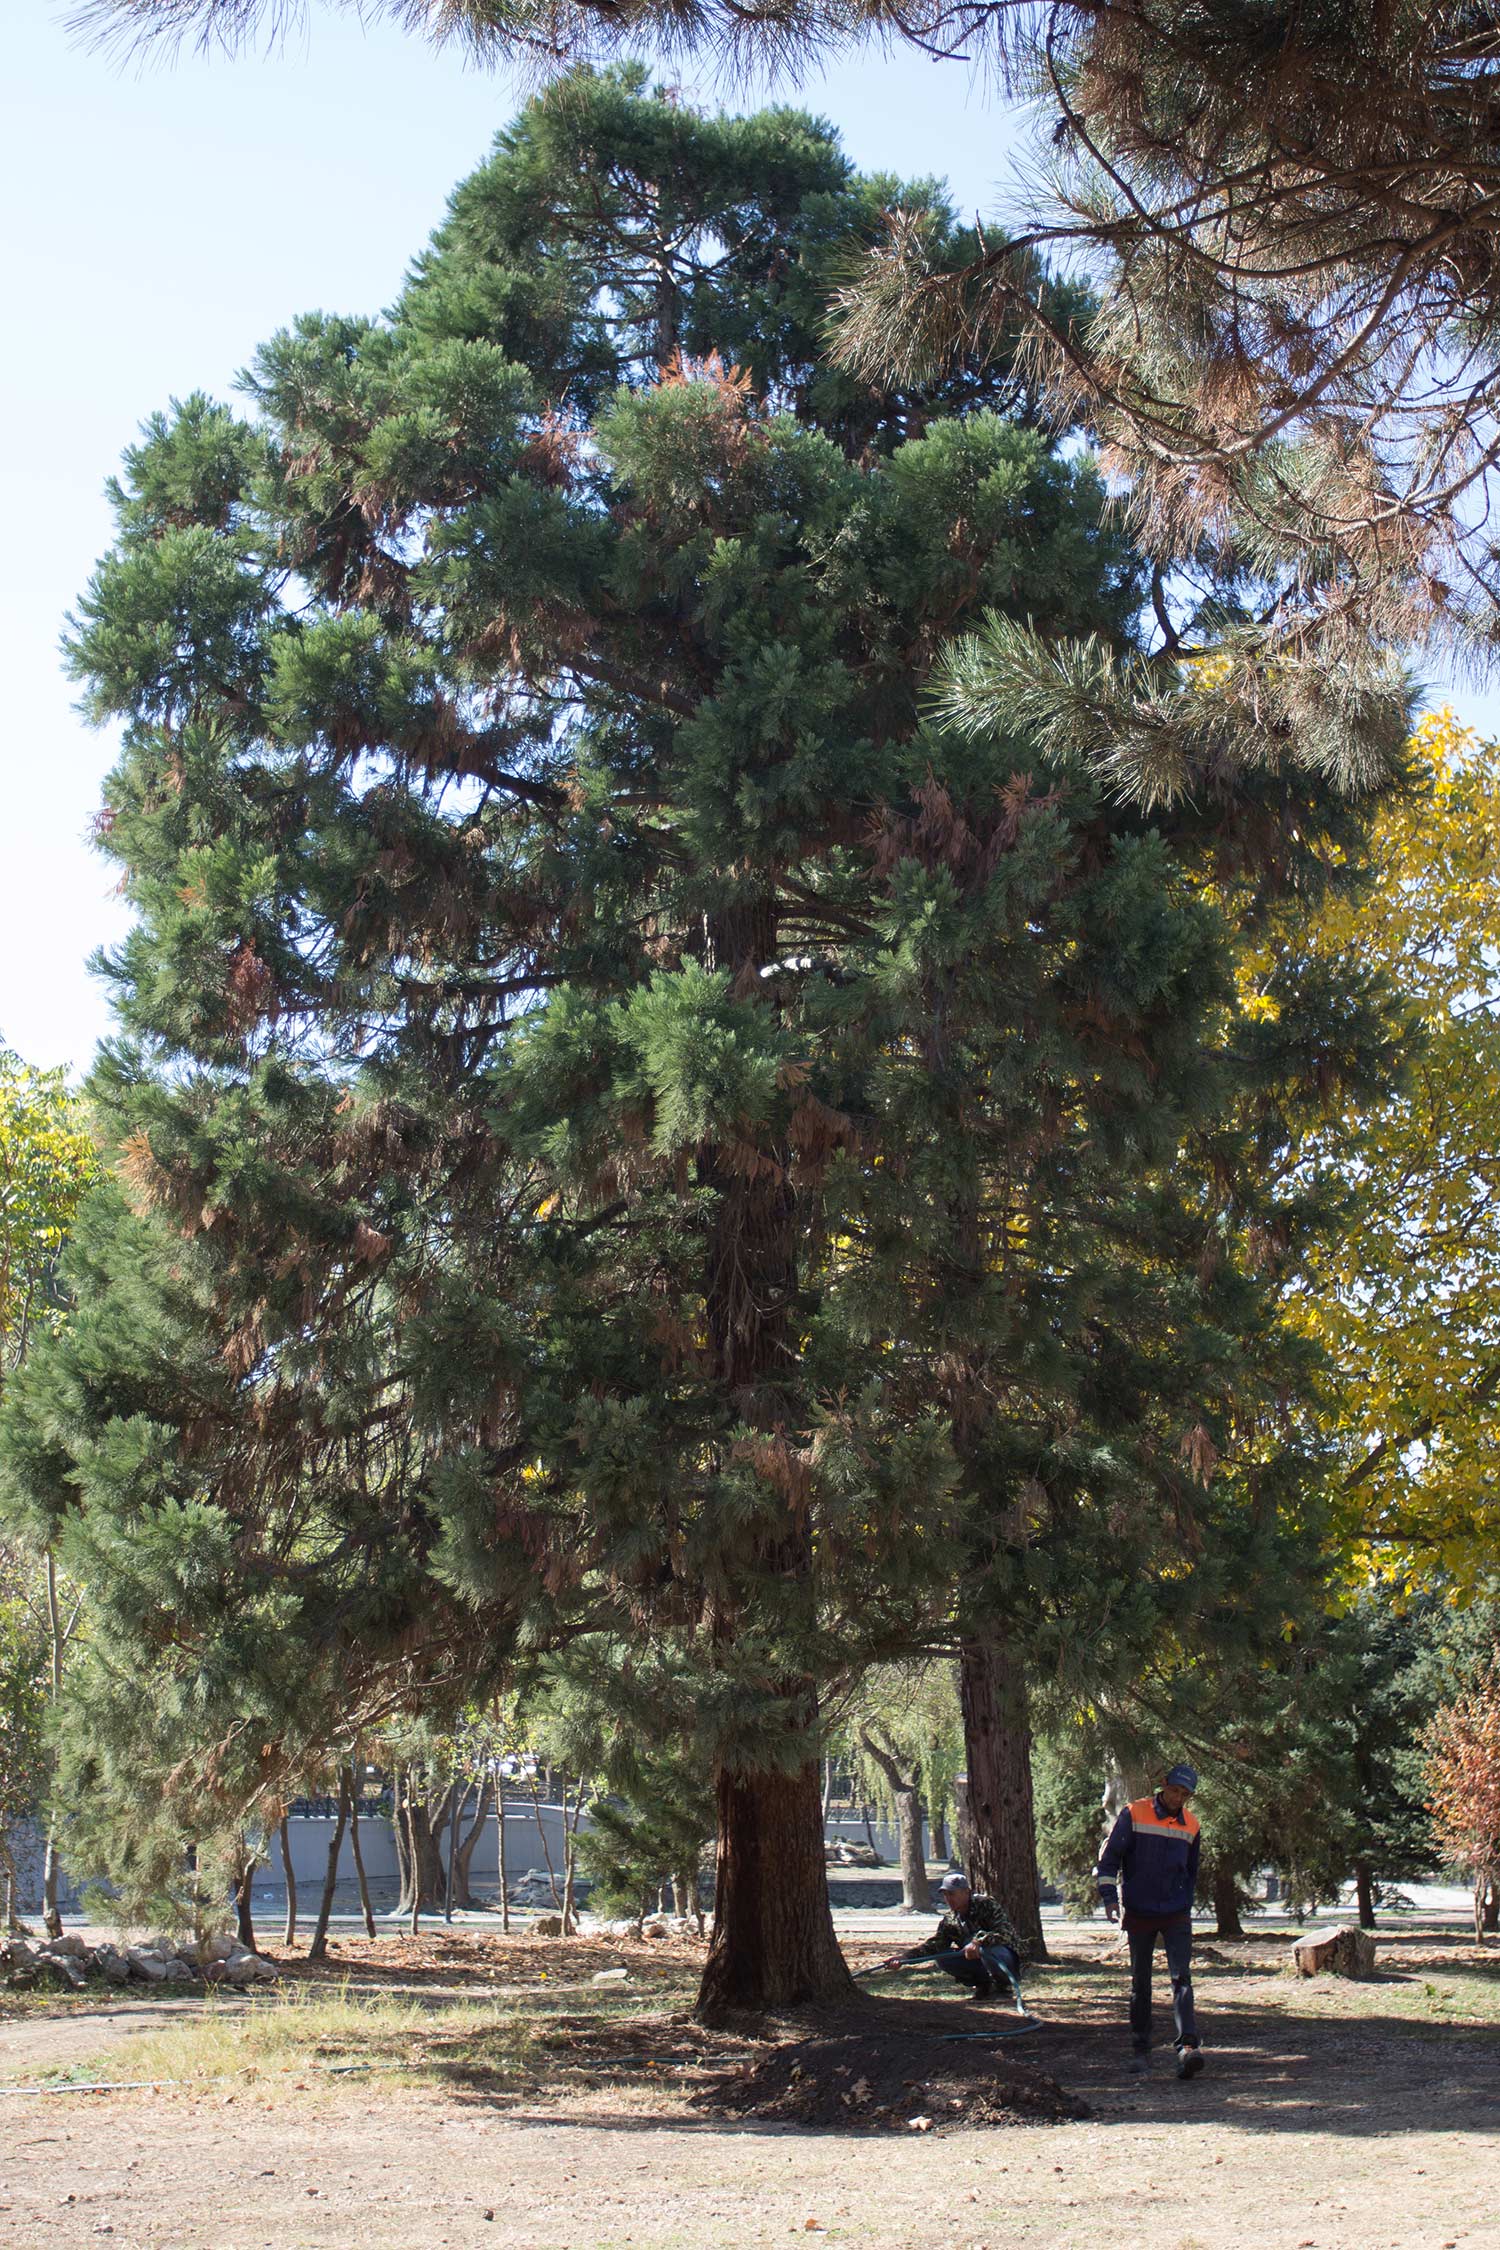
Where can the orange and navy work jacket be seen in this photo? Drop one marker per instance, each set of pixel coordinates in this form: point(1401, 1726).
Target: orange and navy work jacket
point(1154, 1855)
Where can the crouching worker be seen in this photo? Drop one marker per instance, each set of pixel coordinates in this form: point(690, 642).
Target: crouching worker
point(1153, 1851)
point(975, 1941)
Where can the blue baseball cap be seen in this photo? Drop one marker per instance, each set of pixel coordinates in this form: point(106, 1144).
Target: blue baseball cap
point(1183, 1777)
point(954, 1880)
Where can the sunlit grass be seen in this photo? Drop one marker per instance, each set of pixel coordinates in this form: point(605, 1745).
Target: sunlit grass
point(301, 2035)
point(1426, 1995)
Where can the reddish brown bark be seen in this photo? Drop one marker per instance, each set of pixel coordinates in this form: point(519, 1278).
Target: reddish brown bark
point(773, 1944)
point(997, 1745)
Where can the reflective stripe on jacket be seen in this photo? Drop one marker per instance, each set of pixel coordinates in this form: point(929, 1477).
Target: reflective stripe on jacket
point(1154, 1853)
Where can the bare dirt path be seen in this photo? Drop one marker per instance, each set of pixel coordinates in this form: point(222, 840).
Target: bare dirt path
point(1332, 2118)
point(423, 2170)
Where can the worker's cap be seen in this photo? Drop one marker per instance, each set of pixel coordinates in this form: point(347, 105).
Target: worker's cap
point(1183, 1777)
point(954, 1880)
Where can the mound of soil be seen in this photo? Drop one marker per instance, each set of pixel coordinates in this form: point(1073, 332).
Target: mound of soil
point(862, 2080)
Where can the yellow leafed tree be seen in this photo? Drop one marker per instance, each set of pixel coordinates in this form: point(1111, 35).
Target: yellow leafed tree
point(47, 1163)
point(1405, 1299)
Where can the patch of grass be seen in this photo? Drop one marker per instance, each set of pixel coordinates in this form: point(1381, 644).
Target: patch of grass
point(304, 2036)
point(1453, 1994)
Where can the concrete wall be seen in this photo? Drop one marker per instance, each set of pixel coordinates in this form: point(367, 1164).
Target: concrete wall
point(27, 1841)
point(310, 1836)
point(853, 1831)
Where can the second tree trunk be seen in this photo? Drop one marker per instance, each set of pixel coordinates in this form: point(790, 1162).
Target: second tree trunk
point(997, 1746)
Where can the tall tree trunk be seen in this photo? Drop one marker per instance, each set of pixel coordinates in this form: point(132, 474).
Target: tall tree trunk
point(462, 1893)
point(773, 1943)
point(422, 1875)
point(244, 1921)
point(1226, 1895)
point(1364, 1891)
point(402, 1836)
point(500, 1857)
point(869, 1816)
point(906, 1790)
point(916, 1891)
point(11, 1883)
point(997, 1742)
point(939, 1843)
point(290, 1873)
point(359, 1857)
point(570, 1853)
point(455, 1807)
point(51, 1913)
point(1489, 1914)
point(418, 1847)
point(318, 1950)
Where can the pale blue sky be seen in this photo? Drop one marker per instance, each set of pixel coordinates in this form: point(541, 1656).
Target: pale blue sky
point(164, 222)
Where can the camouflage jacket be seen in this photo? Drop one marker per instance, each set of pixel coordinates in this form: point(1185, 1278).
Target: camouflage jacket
point(986, 1920)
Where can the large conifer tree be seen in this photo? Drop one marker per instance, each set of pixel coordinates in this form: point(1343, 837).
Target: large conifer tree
point(614, 1107)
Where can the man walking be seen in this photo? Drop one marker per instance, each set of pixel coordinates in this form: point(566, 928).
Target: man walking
point(975, 1941)
point(1153, 1851)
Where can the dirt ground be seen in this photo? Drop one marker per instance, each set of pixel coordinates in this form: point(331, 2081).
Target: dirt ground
point(1331, 2117)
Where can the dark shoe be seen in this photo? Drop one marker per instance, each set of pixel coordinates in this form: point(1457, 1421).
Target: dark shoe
point(1140, 2063)
point(985, 1989)
point(1189, 2062)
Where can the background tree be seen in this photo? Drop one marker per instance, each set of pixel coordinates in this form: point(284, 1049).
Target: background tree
point(47, 1163)
point(903, 1729)
point(1463, 1776)
point(1312, 1761)
point(1372, 1694)
point(1403, 1293)
point(631, 1719)
point(23, 1711)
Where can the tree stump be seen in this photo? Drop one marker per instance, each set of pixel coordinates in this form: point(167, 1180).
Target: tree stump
point(1345, 1952)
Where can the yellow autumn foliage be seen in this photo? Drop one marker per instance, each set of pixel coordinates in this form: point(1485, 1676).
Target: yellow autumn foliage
point(1406, 1302)
point(47, 1162)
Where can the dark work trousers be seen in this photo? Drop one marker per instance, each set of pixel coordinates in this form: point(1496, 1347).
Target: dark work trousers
point(1177, 1939)
point(996, 1961)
